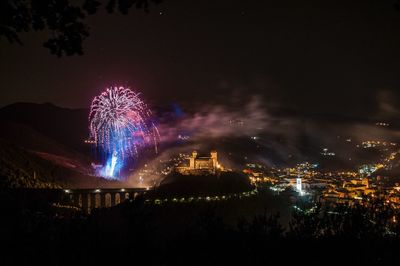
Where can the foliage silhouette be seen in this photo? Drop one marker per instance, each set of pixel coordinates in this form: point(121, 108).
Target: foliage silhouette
point(63, 20)
point(140, 233)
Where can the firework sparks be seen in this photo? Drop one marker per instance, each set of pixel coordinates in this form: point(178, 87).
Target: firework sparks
point(119, 123)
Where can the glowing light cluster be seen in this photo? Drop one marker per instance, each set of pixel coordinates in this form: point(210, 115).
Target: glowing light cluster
point(119, 123)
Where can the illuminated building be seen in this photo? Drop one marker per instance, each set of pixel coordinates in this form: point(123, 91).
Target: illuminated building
point(200, 164)
point(326, 153)
point(298, 184)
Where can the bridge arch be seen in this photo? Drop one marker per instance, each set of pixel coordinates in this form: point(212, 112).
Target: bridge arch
point(117, 198)
point(97, 200)
point(80, 204)
point(107, 200)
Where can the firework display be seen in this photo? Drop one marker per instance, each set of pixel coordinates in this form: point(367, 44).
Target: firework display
point(120, 123)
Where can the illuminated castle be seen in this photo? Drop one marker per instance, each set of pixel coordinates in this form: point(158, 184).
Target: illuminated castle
point(200, 165)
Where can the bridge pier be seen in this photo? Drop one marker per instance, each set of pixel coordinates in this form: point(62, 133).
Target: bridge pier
point(102, 200)
point(85, 202)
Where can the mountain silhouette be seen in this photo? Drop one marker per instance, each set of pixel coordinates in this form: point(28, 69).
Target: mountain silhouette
point(66, 126)
point(42, 145)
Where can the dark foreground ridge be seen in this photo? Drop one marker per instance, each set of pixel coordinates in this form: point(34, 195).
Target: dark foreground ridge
point(193, 234)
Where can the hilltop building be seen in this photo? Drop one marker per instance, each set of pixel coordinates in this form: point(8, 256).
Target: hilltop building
point(200, 164)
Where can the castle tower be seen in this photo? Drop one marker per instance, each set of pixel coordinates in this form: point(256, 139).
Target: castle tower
point(192, 160)
point(214, 158)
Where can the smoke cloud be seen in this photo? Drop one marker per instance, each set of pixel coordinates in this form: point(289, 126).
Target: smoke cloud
point(217, 121)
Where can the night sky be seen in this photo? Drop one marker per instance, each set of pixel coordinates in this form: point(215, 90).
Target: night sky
point(315, 56)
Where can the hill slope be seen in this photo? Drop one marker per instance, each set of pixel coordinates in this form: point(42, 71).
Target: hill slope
point(41, 145)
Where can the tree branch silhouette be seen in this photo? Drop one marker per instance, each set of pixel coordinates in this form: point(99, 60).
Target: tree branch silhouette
point(64, 20)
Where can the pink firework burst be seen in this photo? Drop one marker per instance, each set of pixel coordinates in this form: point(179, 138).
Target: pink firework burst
point(120, 122)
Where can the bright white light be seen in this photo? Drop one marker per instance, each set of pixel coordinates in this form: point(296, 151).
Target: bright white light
point(298, 184)
point(110, 169)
